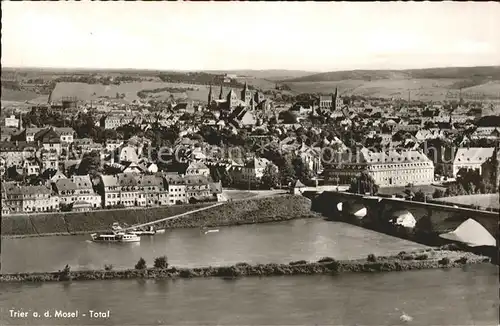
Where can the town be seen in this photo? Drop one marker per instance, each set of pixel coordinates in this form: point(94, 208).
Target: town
point(74, 155)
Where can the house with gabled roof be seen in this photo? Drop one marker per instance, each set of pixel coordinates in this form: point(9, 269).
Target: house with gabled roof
point(471, 158)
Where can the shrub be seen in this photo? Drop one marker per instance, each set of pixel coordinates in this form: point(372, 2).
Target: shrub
point(333, 265)
point(422, 257)
point(141, 264)
point(408, 257)
point(66, 269)
point(444, 261)
point(242, 265)
point(371, 258)
point(108, 267)
point(185, 273)
point(402, 253)
point(161, 262)
point(65, 274)
point(462, 260)
point(298, 262)
point(326, 260)
point(451, 247)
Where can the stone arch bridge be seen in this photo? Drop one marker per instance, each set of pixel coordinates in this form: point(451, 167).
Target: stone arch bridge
point(433, 217)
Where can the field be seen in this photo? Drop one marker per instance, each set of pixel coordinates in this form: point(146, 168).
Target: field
point(22, 96)
point(477, 83)
point(428, 189)
point(483, 201)
point(93, 92)
point(421, 89)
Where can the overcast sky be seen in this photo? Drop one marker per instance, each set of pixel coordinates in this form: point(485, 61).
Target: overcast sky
point(236, 35)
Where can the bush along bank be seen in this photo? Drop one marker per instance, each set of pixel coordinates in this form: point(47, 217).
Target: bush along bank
point(249, 211)
point(423, 259)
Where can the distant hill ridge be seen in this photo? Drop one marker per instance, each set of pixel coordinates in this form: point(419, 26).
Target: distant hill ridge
point(476, 73)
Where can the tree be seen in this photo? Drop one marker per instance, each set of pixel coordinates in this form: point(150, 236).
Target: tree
point(288, 117)
point(363, 184)
point(286, 170)
point(438, 193)
point(90, 164)
point(270, 176)
point(455, 190)
point(141, 264)
point(161, 262)
point(420, 196)
point(302, 172)
point(409, 193)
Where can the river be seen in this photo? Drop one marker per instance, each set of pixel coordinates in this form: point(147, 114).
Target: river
point(308, 239)
point(467, 296)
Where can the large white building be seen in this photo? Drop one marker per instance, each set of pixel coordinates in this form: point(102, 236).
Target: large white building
point(388, 169)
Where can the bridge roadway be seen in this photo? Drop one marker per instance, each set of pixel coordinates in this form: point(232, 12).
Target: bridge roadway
point(172, 217)
point(443, 218)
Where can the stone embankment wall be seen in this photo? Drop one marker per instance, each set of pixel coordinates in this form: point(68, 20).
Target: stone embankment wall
point(259, 210)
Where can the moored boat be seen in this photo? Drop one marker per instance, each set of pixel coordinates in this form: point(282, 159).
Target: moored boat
point(206, 230)
point(115, 237)
point(140, 232)
point(116, 226)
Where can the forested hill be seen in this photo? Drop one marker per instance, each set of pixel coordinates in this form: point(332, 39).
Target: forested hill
point(483, 73)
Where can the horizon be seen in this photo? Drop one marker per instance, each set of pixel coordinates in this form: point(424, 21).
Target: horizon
point(308, 37)
point(236, 69)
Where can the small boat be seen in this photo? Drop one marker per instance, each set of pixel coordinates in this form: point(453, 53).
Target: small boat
point(115, 237)
point(116, 227)
point(140, 232)
point(207, 230)
point(406, 318)
point(160, 231)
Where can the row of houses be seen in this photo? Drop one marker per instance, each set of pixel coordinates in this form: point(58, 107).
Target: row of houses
point(80, 193)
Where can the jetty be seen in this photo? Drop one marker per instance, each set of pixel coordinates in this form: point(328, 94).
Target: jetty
point(170, 217)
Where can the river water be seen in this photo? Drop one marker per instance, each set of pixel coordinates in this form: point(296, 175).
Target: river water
point(467, 296)
point(308, 239)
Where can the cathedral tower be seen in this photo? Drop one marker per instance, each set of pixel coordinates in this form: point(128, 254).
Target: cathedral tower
point(210, 95)
point(246, 95)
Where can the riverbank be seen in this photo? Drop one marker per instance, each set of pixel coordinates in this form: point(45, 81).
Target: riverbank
point(422, 259)
point(248, 211)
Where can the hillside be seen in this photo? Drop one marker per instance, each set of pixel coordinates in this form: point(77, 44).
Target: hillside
point(475, 83)
point(272, 74)
point(489, 73)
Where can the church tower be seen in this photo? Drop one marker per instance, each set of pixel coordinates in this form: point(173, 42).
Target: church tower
point(252, 104)
point(210, 95)
point(232, 99)
point(220, 94)
point(337, 100)
point(246, 95)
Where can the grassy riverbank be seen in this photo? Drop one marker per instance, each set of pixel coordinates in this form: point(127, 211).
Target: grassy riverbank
point(423, 259)
point(255, 210)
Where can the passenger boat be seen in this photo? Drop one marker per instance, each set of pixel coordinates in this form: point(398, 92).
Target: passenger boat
point(114, 237)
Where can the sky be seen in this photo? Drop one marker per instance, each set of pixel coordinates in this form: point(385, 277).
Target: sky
point(310, 36)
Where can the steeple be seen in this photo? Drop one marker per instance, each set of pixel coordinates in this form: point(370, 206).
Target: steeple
point(246, 95)
point(210, 95)
point(221, 95)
